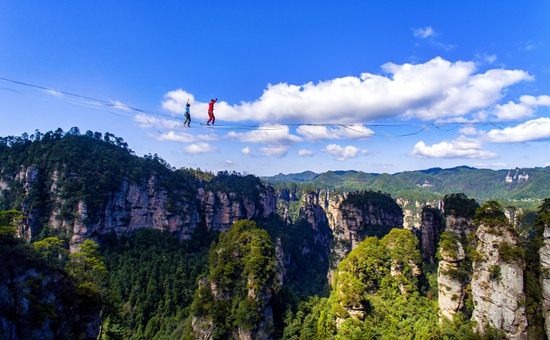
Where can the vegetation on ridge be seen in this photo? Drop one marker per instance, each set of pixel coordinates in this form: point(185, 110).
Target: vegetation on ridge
point(146, 285)
point(425, 185)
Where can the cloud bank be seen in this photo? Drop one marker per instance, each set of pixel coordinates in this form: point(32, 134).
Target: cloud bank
point(462, 147)
point(200, 148)
point(532, 130)
point(339, 109)
point(343, 153)
point(432, 90)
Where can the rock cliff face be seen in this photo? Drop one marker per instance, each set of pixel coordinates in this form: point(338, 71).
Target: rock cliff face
point(346, 219)
point(451, 278)
point(545, 278)
point(203, 327)
point(412, 211)
point(313, 211)
point(450, 289)
point(355, 217)
point(27, 177)
point(428, 233)
point(243, 277)
point(145, 205)
point(544, 253)
point(495, 276)
point(497, 283)
point(40, 302)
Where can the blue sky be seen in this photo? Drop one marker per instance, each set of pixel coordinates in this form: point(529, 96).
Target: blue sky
point(309, 85)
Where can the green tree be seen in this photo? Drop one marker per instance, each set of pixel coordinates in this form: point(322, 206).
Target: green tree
point(52, 249)
point(491, 213)
point(244, 273)
point(87, 264)
point(460, 205)
point(8, 222)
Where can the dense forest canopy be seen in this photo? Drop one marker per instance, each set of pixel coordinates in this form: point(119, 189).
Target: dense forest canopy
point(511, 187)
point(265, 276)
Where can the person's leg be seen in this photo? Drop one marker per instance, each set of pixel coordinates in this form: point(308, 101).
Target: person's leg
point(210, 115)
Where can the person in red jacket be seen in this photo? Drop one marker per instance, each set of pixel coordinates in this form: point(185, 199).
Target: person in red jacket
point(211, 117)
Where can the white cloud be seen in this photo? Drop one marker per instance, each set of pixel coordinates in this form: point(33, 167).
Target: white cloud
point(175, 136)
point(118, 105)
point(535, 101)
point(268, 133)
point(175, 101)
point(208, 137)
point(530, 44)
point(200, 148)
point(435, 89)
point(305, 153)
point(489, 58)
point(155, 122)
point(247, 151)
point(463, 92)
point(529, 131)
point(356, 131)
point(512, 111)
point(428, 32)
point(274, 150)
point(524, 109)
point(446, 47)
point(343, 153)
point(462, 147)
point(424, 32)
point(318, 133)
point(470, 131)
point(53, 92)
point(229, 163)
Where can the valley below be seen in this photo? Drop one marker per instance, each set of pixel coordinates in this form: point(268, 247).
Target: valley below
point(98, 243)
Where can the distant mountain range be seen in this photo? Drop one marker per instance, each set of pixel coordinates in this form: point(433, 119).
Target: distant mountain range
point(515, 184)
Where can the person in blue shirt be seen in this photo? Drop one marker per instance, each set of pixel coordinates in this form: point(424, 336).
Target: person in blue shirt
point(187, 115)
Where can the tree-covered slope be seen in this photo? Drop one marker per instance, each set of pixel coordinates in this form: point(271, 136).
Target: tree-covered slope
point(152, 274)
point(45, 293)
point(234, 298)
point(62, 169)
point(481, 184)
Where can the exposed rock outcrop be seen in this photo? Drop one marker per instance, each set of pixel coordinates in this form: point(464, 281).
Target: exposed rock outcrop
point(451, 276)
point(143, 205)
point(40, 302)
point(280, 255)
point(313, 211)
point(450, 288)
point(238, 298)
point(412, 211)
point(357, 216)
point(28, 177)
point(428, 233)
point(203, 326)
point(545, 278)
point(497, 283)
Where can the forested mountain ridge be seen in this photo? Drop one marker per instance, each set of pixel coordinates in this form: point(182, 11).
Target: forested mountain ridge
point(73, 187)
point(482, 184)
point(91, 185)
point(192, 255)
